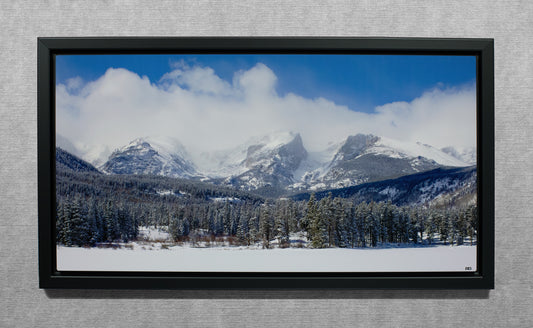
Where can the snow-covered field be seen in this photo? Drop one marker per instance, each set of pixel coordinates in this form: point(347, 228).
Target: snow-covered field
point(228, 259)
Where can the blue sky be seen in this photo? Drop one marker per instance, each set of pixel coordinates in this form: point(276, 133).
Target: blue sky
point(360, 82)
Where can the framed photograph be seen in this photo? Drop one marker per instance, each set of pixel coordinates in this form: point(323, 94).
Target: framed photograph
point(251, 163)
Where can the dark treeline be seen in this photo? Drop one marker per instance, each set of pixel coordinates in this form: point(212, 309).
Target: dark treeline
point(87, 221)
point(94, 209)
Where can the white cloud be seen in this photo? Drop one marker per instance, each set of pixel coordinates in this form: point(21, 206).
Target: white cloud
point(74, 83)
point(207, 113)
point(439, 117)
point(197, 79)
point(257, 83)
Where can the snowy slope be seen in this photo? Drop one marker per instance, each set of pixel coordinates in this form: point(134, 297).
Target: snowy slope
point(314, 167)
point(395, 148)
point(222, 163)
point(96, 155)
point(464, 154)
point(67, 161)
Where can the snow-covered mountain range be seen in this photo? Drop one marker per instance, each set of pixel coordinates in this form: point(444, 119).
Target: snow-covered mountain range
point(280, 161)
point(365, 158)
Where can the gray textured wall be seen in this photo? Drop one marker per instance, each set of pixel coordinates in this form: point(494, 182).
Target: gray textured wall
point(510, 23)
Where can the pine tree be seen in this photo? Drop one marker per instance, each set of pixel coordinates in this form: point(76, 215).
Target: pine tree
point(61, 221)
point(281, 224)
point(328, 220)
point(416, 226)
point(294, 216)
point(353, 226)
point(235, 218)
point(463, 225)
point(80, 233)
point(253, 231)
point(174, 228)
point(318, 225)
point(185, 227)
point(310, 213)
point(219, 224)
point(472, 222)
point(431, 227)
point(242, 229)
point(266, 225)
point(362, 214)
point(342, 228)
point(372, 222)
point(226, 219)
point(92, 221)
point(384, 214)
point(405, 228)
point(442, 226)
point(111, 222)
point(211, 220)
point(395, 231)
point(452, 226)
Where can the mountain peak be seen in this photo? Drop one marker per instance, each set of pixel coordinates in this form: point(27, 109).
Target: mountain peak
point(274, 140)
point(162, 144)
point(151, 155)
point(355, 145)
point(260, 148)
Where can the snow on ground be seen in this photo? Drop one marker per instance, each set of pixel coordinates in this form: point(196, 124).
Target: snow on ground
point(225, 199)
point(153, 234)
point(228, 259)
point(164, 192)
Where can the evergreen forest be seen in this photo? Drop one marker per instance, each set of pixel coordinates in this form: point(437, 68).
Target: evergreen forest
point(96, 209)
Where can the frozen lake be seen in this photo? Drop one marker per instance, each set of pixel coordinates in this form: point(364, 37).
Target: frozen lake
point(228, 259)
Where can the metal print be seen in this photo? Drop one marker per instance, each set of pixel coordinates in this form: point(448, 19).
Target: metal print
point(266, 163)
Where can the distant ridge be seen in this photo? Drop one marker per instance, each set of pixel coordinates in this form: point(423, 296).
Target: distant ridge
point(65, 160)
point(419, 188)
